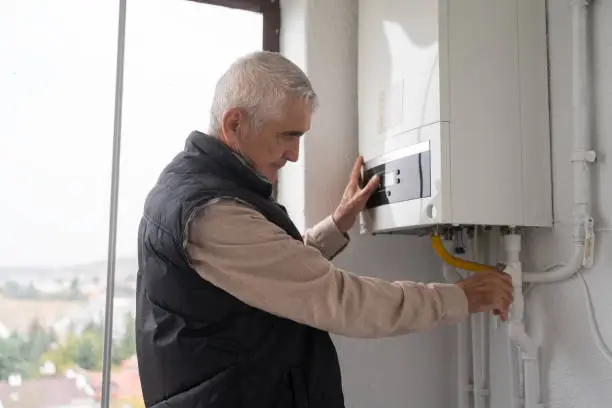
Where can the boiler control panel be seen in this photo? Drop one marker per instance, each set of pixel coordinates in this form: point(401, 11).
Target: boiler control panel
point(404, 174)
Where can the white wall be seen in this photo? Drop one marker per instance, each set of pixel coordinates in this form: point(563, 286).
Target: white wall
point(294, 46)
point(418, 370)
point(575, 373)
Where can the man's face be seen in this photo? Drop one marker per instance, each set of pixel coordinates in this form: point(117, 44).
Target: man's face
point(277, 142)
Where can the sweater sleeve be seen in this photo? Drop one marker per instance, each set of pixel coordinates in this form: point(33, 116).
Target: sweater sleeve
point(234, 247)
point(327, 238)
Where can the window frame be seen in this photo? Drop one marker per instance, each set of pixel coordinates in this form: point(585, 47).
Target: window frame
point(270, 9)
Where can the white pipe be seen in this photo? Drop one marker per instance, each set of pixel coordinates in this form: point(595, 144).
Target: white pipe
point(476, 346)
point(516, 325)
point(561, 273)
point(516, 377)
point(582, 156)
point(479, 398)
point(484, 358)
point(478, 256)
point(531, 370)
point(513, 267)
point(479, 350)
point(464, 387)
point(580, 102)
point(450, 274)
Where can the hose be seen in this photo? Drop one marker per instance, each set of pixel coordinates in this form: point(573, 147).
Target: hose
point(438, 247)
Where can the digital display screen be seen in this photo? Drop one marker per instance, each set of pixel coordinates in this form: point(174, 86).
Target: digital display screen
point(387, 179)
point(402, 179)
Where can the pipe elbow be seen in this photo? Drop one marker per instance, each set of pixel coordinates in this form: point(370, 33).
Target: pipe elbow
point(561, 273)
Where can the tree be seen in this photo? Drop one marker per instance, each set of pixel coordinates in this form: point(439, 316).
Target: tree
point(95, 327)
point(62, 355)
point(89, 351)
point(126, 346)
point(52, 336)
point(12, 359)
point(84, 350)
point(38, 342)
point(21, 355)
point(128, 341)
point(75, 288)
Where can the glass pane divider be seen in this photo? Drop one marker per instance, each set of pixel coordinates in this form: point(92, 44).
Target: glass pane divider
point(113, 215)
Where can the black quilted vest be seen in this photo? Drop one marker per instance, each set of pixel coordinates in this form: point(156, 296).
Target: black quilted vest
point(197, 345)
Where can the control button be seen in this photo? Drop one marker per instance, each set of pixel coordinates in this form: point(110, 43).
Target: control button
point(431, 211)
point(388, 193)
point(397, 172)
point(397, 180)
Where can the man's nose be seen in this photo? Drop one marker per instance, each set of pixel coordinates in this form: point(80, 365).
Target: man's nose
point(293, 154)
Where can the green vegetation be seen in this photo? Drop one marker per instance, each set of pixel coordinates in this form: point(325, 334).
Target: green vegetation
point(21, 355)
point(26, 354)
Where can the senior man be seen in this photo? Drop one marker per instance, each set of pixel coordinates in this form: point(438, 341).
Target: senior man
point(234, 306)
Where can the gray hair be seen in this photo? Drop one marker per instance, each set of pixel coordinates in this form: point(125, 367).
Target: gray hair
point(261, 84)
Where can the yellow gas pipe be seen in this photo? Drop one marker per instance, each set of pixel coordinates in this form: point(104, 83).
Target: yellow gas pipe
point(438, 247)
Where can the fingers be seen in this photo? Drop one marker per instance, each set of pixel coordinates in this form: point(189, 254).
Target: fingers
point(500, 267)
point(369, 188)
point(501, 287)
point(356, 172)
point(505, 295)
point(506, 289)
point(488, 291)
point(503, 307)
point(364, 193)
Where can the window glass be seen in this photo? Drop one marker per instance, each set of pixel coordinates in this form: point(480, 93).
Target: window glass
point(57, 82)
point(175, 52)
point(57, 86)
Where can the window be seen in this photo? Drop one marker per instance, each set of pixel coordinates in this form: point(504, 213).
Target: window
point(56, 123)
point(169, 82)
point(57, 102)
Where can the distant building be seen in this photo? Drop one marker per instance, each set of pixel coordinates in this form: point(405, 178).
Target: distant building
point(4, 334)
point(125, 381)
point(47, 392)
point(49, 287)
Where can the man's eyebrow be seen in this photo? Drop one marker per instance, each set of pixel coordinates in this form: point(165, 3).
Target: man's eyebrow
point(293, 133)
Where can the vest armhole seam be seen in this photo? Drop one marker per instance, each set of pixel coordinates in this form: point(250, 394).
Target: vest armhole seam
point(197, 210)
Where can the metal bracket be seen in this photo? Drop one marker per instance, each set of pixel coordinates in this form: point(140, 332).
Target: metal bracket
point(581, 3)
point(587, 156)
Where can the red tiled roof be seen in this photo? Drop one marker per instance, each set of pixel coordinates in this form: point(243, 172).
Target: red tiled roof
point(41, 393)
point(125, 381)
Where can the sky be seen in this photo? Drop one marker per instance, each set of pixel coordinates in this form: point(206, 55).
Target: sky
point(57, 84)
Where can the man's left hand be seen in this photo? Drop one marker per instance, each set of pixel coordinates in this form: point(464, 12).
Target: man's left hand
point(354, 198)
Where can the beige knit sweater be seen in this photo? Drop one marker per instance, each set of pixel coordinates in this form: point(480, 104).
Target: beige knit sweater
point(234, 247)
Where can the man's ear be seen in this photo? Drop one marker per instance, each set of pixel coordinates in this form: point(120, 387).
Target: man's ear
point(231, 122)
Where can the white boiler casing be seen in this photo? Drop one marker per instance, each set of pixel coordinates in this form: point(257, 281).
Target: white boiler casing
point(454, 113)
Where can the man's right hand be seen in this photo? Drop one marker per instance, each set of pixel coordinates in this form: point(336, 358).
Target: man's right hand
point(488, 291)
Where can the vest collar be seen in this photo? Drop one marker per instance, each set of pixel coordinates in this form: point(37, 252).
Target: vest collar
point(238, 167)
